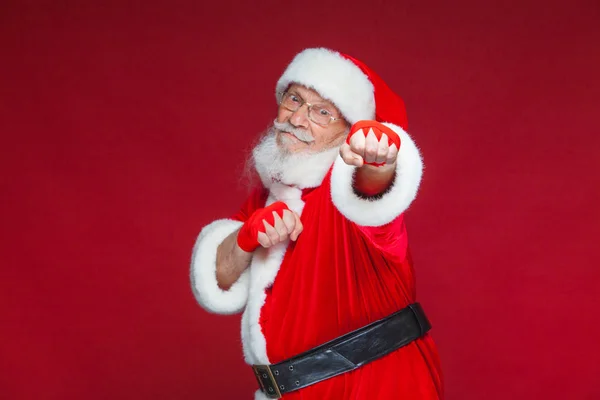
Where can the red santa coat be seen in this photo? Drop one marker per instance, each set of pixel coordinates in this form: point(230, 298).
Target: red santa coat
point(349, 267)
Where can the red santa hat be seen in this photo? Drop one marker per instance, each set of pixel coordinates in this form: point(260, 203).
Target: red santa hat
point(356, 90)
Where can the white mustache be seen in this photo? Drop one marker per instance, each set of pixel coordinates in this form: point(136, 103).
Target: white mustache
point(301, 134)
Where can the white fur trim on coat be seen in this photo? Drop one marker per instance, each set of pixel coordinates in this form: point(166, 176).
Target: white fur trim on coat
point(203, 271)
point(263, 270)
point(258, 395)
point(334, 78)
point(368, 212)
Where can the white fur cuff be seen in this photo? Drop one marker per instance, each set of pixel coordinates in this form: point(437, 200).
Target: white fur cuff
point(368, 212)
point(203, 271)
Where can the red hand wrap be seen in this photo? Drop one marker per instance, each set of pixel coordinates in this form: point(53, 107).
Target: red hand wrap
point(248, 235)
point(378, 129)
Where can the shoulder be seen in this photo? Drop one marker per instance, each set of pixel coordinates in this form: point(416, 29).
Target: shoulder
point(255, 199)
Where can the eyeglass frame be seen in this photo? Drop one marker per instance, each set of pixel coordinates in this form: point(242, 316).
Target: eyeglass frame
point(310, 105)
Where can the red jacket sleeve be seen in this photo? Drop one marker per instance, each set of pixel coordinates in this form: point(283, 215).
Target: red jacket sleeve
point(256, 200)
point(390, 239)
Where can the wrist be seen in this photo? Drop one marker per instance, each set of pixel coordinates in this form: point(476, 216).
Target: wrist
point(240, 252)
point(375, 170)
point(244, 243)
point(370, 180)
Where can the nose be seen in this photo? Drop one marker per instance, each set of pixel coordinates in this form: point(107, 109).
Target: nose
point(299, 118)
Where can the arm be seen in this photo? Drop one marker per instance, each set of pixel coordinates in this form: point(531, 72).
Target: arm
point(265, 227)
point(373, 149)
point(232, 261)
point(207, 289)
point(371, 181)
point(374, 195)
point(224, 249)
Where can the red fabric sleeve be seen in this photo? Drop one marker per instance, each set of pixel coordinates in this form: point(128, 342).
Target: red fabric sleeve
point(391, 239)
point(256, 200)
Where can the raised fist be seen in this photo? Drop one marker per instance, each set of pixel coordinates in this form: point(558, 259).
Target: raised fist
point(269, 226)
point(370, 142)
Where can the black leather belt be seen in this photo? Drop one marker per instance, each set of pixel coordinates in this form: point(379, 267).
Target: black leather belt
point(346, 353)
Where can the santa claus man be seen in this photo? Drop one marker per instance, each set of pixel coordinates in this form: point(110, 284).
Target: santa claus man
point(317, 256)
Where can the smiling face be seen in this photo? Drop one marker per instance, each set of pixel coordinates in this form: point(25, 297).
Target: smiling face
point(297, 132)
point(296, 150)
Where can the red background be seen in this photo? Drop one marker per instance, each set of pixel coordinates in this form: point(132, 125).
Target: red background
point(124, 125)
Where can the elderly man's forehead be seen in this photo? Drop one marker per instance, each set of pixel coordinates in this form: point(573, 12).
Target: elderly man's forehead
point(304, 90)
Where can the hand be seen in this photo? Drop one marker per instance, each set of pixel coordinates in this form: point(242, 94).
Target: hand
point(369, 143)
point(269, 226)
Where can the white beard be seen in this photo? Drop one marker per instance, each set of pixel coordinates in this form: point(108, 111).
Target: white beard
point(302, 170)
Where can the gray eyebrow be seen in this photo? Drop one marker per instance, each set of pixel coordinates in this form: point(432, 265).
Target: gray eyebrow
point(331, 108)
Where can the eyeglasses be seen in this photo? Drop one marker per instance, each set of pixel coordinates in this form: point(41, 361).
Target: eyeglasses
point(318, 114)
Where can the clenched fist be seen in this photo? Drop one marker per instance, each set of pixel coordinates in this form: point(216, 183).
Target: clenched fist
point(268, 226)
point(370, 142)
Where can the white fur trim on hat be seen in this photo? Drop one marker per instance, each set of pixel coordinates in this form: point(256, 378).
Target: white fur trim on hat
point(369, 212)
point(203, 271)
point(335, 78)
